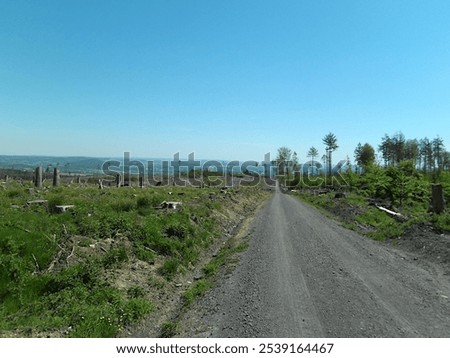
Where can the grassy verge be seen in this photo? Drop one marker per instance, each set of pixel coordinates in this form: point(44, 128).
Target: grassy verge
point(211, 269)
point(95, 269)
point(201, 286)
point(356, 213)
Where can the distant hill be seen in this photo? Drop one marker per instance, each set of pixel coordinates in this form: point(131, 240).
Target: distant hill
point(92, 165)
point(65, 164)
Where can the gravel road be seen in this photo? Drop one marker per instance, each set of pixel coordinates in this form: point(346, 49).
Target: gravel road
point(306, 276)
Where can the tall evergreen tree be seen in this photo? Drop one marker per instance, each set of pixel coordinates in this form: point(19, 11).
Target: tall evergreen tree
point(438, 152)
point(426, 152)
point(357, 154)
point(386, 149)
point(295, 164)
point(364, 154)
point(283, 160)
point(446, 161)
point(312, 153)
point(412, 151)
point(330, 142)
point(398, 147)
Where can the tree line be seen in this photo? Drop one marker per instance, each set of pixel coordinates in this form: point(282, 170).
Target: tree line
point(287, 160)
point(427, 155)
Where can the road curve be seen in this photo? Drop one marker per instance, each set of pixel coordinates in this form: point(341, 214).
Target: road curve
point(306, 276)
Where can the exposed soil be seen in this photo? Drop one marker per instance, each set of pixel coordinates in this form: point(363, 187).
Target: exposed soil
point(426, 245)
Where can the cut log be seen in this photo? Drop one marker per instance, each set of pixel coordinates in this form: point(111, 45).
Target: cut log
point(37, 202)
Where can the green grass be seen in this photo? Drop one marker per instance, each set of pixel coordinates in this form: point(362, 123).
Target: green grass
point(385, 226)
point(196, 290)
point(40, 296)
point(224, 254)
point(169, 329)
point(78, 298)
point(405, 188)
point(442, 222)
point(210, 270)
point(33, 299)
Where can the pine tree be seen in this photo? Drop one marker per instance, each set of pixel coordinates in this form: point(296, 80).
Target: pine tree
point(330, 142)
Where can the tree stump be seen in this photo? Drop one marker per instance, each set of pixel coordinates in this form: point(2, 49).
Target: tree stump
point(437, 198)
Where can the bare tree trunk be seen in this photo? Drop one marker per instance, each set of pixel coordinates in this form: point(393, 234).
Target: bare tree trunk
point(38, 177)
point(126, 180)
point(437, 198)
point(56, 177)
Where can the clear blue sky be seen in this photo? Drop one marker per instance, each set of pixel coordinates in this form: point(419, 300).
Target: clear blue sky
point(224, 79)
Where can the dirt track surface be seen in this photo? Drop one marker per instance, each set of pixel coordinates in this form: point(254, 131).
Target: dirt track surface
point(305, 276)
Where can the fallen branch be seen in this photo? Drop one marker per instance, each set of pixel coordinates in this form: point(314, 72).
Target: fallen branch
point(68, 257)
point(56, 259)
point(149, 249)
point(36, 263)
point(65, 230)
point(397, 216)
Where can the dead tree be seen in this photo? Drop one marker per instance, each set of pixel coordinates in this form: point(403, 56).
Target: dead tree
point(38, 177)
point(56, 177)
point(126, 180)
